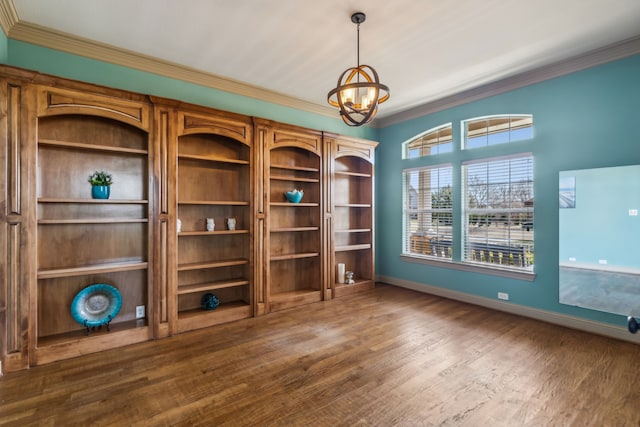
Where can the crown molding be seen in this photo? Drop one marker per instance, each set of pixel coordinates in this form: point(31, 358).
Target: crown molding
point(57, 40)
point(8, 15)
point(46, 37)
point(571, 65)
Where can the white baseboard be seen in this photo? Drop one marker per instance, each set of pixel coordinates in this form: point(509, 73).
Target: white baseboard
point(613, 331)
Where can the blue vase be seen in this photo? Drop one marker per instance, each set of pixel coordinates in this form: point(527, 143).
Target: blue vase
point(100, 191)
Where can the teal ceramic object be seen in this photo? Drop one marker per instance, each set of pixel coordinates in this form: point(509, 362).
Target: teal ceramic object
point(294, 196)
point(100, 191)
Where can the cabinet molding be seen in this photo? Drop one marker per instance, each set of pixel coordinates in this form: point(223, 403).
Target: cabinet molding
point(55, 101)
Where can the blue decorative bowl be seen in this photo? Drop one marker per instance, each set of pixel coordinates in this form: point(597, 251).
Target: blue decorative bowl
point(96, 305)
point(294, 196)
point(209, 301)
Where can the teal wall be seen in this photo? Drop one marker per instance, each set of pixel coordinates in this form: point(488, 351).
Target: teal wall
point(57, 63)
point(4, 48)
point(588, 119)
point(585, 120)
point(599, 227)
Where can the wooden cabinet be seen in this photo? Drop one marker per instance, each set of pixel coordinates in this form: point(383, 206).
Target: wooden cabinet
point(214, 183)
point(350, 205)
point(170, 161)
point(293, 244)
point(81, 240)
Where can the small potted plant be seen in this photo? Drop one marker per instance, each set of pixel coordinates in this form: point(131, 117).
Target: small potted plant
point(100, 184)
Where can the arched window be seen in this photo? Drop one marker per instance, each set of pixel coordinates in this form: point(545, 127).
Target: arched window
point(491, 130)
point(434, 141)
point(474, 212)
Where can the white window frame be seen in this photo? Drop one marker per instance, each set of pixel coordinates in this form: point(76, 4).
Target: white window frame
point(435, 131)
point(506, 249)
point(505, 129)
point(424, 236)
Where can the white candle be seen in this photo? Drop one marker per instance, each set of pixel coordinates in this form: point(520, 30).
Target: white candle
point(341, 270)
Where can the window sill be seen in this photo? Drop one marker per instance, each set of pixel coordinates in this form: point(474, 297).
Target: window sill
point(474, 268)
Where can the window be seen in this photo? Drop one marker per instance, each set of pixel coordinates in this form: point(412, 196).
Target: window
point(428, 200)
point(434, 141)
point(498, 212)
point(491, 130)
point(476, 212)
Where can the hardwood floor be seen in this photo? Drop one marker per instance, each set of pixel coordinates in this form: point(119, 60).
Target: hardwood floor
point(386, 357)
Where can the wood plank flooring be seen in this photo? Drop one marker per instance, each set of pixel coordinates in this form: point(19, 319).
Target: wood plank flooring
point(382, 358)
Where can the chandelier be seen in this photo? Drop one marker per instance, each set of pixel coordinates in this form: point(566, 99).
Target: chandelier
point(359, 90)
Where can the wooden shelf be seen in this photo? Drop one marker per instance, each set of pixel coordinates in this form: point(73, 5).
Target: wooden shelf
point(294, 294)
point(226, 312)
point(91, 269)
point(352, 187)
point(216, 311)
point(295, 168)
point(343, 289)
point(92, 201)
point(288, 299)
point(293, 178)
point(294, 256)
point(210, 286)
point(295, 244)
point(310, 204)
point(293, 229)
point(353, 247)
point(214, 202)
point(93, 221)
point(78, 239)
point(213, 179)
point(211, 233)
point(212, 159)
point(76, 343)
point(91, 147)
point(353, 205)
point(354, 230)
point(81, 333)
point(212, 264)
point(72, 344)
point(363, 175)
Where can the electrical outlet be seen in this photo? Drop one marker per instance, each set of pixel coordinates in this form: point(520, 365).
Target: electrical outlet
point(602, 261)
point(503, 296)
point(572, 258)
point(633, 212)
point(140, 311)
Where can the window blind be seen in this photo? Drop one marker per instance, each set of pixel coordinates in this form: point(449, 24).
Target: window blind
point(498, 212)
point(428, 200)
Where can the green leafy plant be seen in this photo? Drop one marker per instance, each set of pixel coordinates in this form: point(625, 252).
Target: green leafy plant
point(100, 178)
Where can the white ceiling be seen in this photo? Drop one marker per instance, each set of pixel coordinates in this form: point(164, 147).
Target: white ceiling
point(423, 50)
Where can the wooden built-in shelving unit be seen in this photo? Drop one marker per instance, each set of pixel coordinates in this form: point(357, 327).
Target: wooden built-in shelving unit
point(351, 193)
point(294, 248)
point(83, 241)
point(213, 180)
point(169, 161)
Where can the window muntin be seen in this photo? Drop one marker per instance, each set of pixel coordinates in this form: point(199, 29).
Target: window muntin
point(428, 202)
point(434, 141)
point(498, 212)
point(491, 130)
